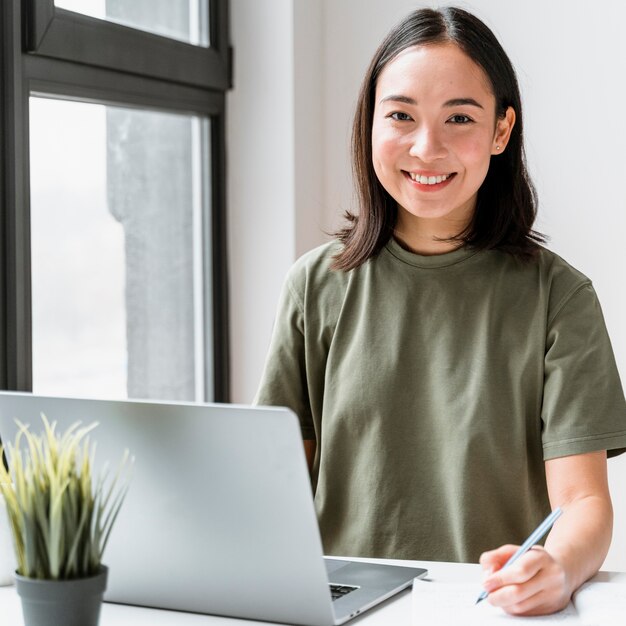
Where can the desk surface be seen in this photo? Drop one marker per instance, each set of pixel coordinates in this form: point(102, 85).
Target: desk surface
point(395, 611)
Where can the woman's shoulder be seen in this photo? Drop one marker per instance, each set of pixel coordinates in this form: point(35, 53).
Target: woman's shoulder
point(560, 278)
point(317, 289)
point(313, 269)
point(558, 268)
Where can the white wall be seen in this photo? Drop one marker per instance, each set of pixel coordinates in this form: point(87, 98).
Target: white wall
point(275, 173)
point(260, 153)
point(298, 66)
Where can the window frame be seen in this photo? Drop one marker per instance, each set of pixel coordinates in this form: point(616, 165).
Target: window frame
point(65, 35)
point(49, 69)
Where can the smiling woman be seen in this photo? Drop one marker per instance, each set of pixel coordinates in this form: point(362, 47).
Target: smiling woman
point(453, 377)
point(493, 202)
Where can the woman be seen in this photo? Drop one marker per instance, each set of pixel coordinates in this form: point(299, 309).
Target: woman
point(454, 379)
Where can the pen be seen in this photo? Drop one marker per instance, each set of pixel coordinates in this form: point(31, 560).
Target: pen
point(535, 536)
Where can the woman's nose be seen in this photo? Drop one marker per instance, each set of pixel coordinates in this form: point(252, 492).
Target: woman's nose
point(427, 145)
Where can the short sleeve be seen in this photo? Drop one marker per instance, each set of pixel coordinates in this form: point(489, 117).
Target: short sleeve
point(284, 381)
point(583, 404)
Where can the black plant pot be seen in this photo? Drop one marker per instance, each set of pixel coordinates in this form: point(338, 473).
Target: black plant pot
point(73, 602)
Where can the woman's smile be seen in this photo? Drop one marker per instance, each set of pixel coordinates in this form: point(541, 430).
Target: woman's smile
point(429, 181)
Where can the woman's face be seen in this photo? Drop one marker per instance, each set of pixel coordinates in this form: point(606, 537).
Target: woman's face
point(434, 131)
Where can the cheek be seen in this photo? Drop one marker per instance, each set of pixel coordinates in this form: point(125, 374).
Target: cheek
point(385, 150)
point(476, 155)
point(384, 162)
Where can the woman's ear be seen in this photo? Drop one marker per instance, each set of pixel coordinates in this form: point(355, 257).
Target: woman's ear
point(504, 126)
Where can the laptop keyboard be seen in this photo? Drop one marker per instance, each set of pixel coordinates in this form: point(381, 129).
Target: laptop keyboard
point(339, 591)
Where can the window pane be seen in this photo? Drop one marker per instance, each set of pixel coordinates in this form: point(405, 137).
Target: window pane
point(117, 229)
point(184, 20)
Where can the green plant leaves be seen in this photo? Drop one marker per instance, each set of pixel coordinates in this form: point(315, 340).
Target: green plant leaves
point(59, 519)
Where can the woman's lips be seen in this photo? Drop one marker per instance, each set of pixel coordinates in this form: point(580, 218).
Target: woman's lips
point(430, 182)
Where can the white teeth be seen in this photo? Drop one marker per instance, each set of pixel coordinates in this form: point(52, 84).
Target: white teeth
point(428, 180)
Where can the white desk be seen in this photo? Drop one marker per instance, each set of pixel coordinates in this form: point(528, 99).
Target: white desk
point(396, 611)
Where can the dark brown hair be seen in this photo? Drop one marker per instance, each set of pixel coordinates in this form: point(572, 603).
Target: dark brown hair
point(506, 205)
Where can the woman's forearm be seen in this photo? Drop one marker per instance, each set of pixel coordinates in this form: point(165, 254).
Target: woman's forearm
point(580, 539)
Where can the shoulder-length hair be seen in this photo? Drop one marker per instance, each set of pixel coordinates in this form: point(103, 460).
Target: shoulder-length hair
point(506, 204)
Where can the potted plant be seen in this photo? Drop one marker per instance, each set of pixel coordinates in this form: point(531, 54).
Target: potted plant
point(60, 519)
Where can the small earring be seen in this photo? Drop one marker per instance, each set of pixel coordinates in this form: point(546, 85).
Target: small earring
point(497, 147)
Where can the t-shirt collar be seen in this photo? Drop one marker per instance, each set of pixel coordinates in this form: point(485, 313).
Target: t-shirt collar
point(430, 261)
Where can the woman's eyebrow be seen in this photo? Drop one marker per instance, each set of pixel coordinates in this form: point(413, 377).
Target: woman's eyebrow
point(455, 102)
point(398, 98)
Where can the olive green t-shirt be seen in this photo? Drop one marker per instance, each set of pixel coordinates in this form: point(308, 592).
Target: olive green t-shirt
point(436, 387)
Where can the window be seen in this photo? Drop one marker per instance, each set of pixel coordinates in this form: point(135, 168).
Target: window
point(114, 278)
point(184, 20)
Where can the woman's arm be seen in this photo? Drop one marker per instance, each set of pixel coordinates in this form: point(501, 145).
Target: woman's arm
point(543, 580)
point(310, 445)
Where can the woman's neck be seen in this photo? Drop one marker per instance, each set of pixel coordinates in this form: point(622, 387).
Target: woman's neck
point(429, 239)
point(426, 247)
point(429, 236)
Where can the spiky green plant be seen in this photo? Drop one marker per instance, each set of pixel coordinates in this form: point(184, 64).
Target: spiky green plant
point(60, 518)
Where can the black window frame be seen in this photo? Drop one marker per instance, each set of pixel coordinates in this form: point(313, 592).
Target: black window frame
point(59, 53)
point(70, 36)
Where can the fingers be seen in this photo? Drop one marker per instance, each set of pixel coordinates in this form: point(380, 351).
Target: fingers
point(523, 570)
point(543, 602)
point(514, 586)
point(535, 584)
point(515, 593)
point(535, 604)
point(495, 559)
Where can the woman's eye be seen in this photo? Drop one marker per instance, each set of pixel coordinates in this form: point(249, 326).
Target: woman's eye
point(398, 116)
point(460, 119)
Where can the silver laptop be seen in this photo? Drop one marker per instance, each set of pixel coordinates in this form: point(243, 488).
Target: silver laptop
point(219, 518)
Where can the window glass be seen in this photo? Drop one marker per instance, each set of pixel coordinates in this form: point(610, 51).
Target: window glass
point(184, 20)
point(119, 252)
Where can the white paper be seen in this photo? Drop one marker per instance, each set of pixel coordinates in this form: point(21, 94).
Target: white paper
point(603, 603)
point(451, 604)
